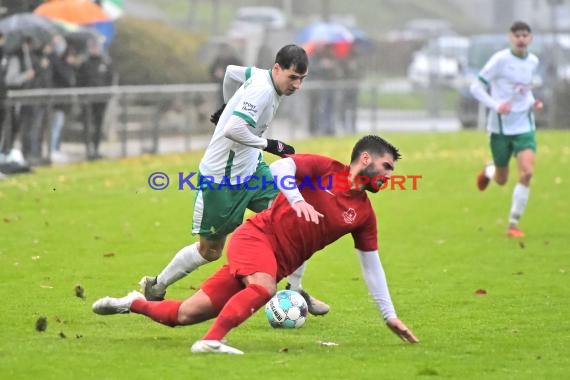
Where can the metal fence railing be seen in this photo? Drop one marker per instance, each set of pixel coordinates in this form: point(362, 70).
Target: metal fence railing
point(154, 119)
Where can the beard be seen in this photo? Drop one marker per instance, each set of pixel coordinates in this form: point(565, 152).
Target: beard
point(370, 172)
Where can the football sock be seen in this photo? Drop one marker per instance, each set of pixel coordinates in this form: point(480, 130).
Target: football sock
point(165, 312)
point(239, 308)
point(185, 261)
point(490, 171)
point(296, 277)
point(520, 198)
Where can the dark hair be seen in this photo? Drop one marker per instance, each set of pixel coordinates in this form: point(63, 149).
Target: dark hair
point(374, 145)
point(292, 55)
point(520, 26)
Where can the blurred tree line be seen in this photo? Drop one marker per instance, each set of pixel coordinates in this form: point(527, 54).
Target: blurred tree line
point(149, 52)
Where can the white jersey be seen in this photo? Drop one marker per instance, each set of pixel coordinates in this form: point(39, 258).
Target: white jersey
point(510, 79)
point(256, 102)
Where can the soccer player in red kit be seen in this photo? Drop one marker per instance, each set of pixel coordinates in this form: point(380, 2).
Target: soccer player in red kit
point(321, 200)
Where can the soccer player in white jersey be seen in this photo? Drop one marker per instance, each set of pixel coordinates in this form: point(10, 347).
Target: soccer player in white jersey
point(509, 74)
point(232, 156)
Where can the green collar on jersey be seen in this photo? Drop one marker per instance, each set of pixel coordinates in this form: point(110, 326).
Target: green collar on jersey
point(520, 56)
point(273, 83)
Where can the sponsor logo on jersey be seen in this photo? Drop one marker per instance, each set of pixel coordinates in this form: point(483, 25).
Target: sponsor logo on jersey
point(521, 88)
point(248, 107)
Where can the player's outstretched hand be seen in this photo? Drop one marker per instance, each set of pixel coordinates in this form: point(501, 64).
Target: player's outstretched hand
point(399, 328)
point(279, 148)
point(215, 117)
point(538, 105)
point(304, 209)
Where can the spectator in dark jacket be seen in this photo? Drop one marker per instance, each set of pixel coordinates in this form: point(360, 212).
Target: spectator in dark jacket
point(218, 66)
point(96, 71)
point(20, 74)
point(64, 62)
point(37, 125)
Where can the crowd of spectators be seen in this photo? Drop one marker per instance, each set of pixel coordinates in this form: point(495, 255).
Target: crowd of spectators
point(31, 133)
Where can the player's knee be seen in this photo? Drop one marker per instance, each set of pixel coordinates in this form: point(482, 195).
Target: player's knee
point(186, 317)
point(501, 180)
point(525, 177)
point(210, 252)
point(501, 177)
point(271, 288)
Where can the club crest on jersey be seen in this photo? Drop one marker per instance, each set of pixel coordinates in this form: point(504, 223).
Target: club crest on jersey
point(349, 216)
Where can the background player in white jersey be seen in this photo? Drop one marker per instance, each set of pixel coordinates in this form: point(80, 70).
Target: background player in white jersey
point(511, 125)
point(233, 154)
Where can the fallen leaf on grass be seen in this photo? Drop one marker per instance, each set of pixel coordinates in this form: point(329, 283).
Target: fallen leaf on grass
point(41, 324)
point(62, 335)
point(521, 244)
point(428, 372)
point(46, 286)
point(79, 291)
point(284, 349)
point(110, 254)
point(480, 292)
point(59, 320)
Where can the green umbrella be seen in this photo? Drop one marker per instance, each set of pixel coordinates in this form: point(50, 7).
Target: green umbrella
point(114, 8)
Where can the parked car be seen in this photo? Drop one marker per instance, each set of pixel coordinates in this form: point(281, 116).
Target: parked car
point(421, 29)
point(269, 17)
point(441, 59)
point(255, 31)
point(482, 47)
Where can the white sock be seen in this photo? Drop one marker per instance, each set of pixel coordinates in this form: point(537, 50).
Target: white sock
point(490, 171)
point(520, 198)
point(184, 262)
point(296, 277)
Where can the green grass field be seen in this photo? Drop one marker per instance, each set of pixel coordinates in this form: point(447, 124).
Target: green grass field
point(99, 225)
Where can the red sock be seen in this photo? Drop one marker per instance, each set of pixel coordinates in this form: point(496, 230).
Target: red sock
point(165, 312)
point(239, 308)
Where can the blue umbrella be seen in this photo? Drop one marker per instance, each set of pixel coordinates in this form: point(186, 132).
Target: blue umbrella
point(325, 33)
point(361, 38)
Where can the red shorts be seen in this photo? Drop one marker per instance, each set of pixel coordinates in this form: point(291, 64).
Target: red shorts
point(249, 252)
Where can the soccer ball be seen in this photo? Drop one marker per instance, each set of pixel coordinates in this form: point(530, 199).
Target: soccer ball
point(286, 309)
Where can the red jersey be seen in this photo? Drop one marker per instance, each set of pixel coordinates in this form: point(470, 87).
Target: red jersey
point(345, 211)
